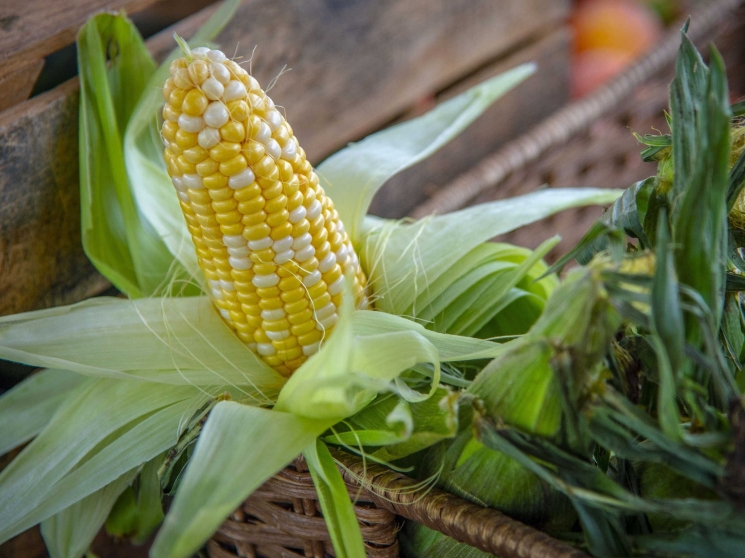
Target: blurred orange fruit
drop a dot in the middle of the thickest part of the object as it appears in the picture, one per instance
(592, 68)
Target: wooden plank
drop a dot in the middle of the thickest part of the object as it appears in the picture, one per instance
(531, 102)
(17, 80)
(357, 64)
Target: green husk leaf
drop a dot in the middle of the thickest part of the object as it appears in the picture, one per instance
(116, 238)
(104, 429)
(27, 408)
(353, 175)
(69, 533)
(338, 511)
(180, 341)
(249, 442)
(403, 259)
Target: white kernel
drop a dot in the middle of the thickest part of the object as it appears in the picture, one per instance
(228, 286)
(312, 278)
(208, 138)
(302, 241)
(234, 90)
(269, 102)
(340, 227)
(349, 269)
(264, 134)
(220, 73)
(225, 314)
(297, 214)
(327, 263)
(265, 281)
(274, 119)
(284, 257)
(216, 56)
(265, 349)
(273, 149)
(234, 241)
(314, 210)
(240, 263)
(289, 150)
(216, 114)
(252, 346)
(191, 124)
(310, 350)
(242, 179)
(178, 183)
(261, 244)
(217, 293)
(212, 89)
(193, 181)
(326, 311)
(282, 244)
(328, 322)
(215, 284)
(184, 197)
(341, 255)
(355, 260)
(271, 315)
(304, 254)
(278, 335)
(239, 252)
(200, 52)
(337, 286)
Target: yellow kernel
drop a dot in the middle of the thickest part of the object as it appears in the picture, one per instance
(274, 303)
(300, 317)
(265, 268)
(207, 167)
(285, 344)
(276, 204)
(237, 317)
(261, 337)
(181, 79)
(254, 152)
(261, 256)
(294, 201)
(274, 191)
(185, 166)
(235, 229)
(311, 337)
(321, 301)
(195, 154)
(319, 239)
(185, 139)
(229, 218)
(297, 306)
(203, 253)
(251, 206)
(289, 283)
(244, 276)
(194, 103)
(254, 125)
(283, 230)
(276, 325)
(224, 206)
(238, 109)
(281, 135)
(168, 88)
(268, 183)
(278, 218)
(285, 170)
(248, 193)
(198, 71)
(176, 98)
(221, 264)
(291, 187)
(295, 363)
(269, 292)
(299, 229)
(169, 130)
(294, 295)
(317, 290)
(215, 181)
(270, 177)
(224, 151)
(290, 354)
(234, 166)
(274, 361)
(199, 198)
(257, 103)
(256, 232)
(264, 167)
(252, 219)
(332, 275)
(233, 131)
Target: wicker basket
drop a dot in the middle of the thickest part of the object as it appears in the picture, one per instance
(588, 143)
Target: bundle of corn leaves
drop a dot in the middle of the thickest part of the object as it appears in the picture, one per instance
(239, 345)
(617, 420)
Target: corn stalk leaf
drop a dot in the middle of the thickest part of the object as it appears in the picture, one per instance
(353, 175)
(336, 504)
(69, 533)
(27, 408)
(250, 444)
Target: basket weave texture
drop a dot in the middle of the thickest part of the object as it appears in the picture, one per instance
(589, 143)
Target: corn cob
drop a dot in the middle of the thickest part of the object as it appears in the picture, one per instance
(268, 239)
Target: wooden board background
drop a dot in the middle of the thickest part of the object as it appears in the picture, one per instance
(356, 65)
